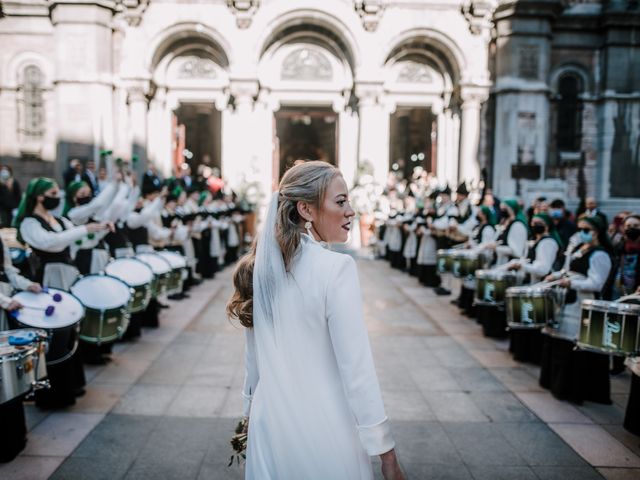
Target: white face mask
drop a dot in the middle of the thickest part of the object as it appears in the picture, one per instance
(5, 175)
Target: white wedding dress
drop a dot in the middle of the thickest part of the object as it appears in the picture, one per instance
(311, 388)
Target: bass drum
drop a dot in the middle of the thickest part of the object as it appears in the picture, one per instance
(106, 300)
(138, 275)
(22, 362)
(55, 311)
(178, 271)
(161, 271)
(529, 307)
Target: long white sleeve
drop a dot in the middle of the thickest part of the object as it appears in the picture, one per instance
(353, 355)
(117, 206)
(516, 244)
(488, 235)
(81, 214)
(252, 375)
(17, 281)
(36, 236)
(599, 268)
(546, 253)
(139, 219)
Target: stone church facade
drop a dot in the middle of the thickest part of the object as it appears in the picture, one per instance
(531, 96)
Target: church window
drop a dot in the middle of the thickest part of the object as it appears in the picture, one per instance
(32, 103)
(569, 113)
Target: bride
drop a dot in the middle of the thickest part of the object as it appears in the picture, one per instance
(311, 390)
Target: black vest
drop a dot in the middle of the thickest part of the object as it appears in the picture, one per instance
(478, 236)
(3, 275)
(50, 257)
(581, 265)
(137, 236)
(502, 238)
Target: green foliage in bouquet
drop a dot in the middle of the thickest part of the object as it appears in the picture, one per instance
(239, 442)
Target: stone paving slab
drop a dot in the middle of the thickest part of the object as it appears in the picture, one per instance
(460, 407)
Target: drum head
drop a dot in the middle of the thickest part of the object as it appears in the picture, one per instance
(131, 271)
(101, 292)
(157, 263)
(175, 259)
(66, 312)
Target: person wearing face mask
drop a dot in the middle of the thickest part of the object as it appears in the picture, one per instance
(626, 281)
(571, 374)
(513, 233)
(10, 193)
(50, 239)
(526, 344)
(565, 227)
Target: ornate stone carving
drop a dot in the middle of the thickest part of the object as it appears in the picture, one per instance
(478, 14)
(244, 10)
(196, 67)
(132, 10)
(529, 58)
(414, 72)
(370, 12)
(306, 64)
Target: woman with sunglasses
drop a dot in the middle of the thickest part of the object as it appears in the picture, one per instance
(571, 374)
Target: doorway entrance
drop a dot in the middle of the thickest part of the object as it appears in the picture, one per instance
(304, 134)
(412, 140)
(198, 135)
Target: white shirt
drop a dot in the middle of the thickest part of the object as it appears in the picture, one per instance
(35, 235)
(515, 245)
(546, 254)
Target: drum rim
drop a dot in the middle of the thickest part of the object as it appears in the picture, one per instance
(610, 306)
(103, 275)
(512, 292)
(24, 350)
(50, 327)
(146, 265)
(166, 262)
(168, 255)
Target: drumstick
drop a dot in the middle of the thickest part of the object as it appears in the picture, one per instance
(48, 310)
(56, 296)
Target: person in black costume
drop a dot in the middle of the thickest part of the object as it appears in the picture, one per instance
(50, 239)
(571, 374)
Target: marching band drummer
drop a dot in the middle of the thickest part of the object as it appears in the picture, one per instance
(526, 344)
(50, 239)
(579, 375)
(483, 234)
(512, 239)
(626, 281)
(14, 429)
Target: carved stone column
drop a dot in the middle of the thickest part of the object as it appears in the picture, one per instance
(138, 111)
(470, 134)
(373, 145)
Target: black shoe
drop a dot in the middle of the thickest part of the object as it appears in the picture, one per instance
(162, 305)
(79, 392)
(455, 302)
(442, 291)
(176, 296)
(617, 370)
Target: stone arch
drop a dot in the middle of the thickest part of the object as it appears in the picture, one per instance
(574, 69)
(17, 65)
(315, 24)
(189, 34)
(430, 43)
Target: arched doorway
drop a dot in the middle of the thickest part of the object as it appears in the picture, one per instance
(190, 83)
(307, 71)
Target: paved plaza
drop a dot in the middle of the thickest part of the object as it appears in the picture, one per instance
(460, 407)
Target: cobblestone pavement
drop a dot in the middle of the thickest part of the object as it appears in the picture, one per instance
(460, 407)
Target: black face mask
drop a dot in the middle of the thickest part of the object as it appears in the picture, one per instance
(537, 229)
(504, 213)
(632, 233)
(51, 203)
(83, 200)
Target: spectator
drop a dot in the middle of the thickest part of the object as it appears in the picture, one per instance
(564, 225)
(10, 193)
(590, 209)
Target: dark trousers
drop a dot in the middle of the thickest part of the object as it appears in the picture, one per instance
(632, 415)
(14, 429)
(526, 344)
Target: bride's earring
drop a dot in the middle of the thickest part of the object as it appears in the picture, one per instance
(307, 227)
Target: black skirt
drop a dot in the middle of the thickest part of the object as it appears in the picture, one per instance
(64, 378)
(14, 429)
(428, 276)
(465, 300)
(526, 344)
(493, 320)
(150, 316)
(632, 415)
(574, 375)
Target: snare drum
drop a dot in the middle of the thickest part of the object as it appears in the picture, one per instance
(22, 361)
(138, 275)
(609, 327)
(465, 263)
(161, 270)
(106, 300)
(55, 311)
(178, 271)
(491, 286)
(445, 260)
(529, 306)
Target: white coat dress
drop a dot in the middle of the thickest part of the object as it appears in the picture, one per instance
(311, 389)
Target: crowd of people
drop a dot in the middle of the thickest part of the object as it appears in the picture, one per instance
(53, 236)
(576, 256)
